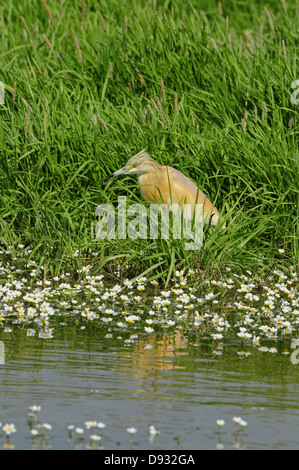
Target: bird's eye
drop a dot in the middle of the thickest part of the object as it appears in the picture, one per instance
(129, 167)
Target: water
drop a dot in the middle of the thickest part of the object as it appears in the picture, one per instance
(182, 390)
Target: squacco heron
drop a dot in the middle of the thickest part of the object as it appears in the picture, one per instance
(166, 185)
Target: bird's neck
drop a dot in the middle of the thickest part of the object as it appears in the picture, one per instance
(152, 176)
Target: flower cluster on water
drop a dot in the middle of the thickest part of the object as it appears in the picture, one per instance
(246, 309)
(240, 424)
(90, 434)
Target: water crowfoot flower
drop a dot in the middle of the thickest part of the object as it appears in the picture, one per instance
(217, 336)
(148, 329)
(90, 424)
(220, 423)
(94, 439)
(131, 431)
(35, 409)
(44, 428)
(239, 424)
(100, 426)
(153, 433)
(264, 308)
(34, 434)
(236, 420)
(71, 429)
(9, 429)
(243, 353)
(79, 432)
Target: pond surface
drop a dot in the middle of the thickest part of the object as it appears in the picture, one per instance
(187, 360)
(181, 389)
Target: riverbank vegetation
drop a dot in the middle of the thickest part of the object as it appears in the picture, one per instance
(205, 87)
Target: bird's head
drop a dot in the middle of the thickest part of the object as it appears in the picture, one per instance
(138, 165)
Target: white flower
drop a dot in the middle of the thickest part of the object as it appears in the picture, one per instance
(46, 426)
(131, 430)
(9, 428)
(95, 437)
(220, 422)
(217, 335)
(148, 329)
(243, 333)
(179, 273)
(79, 431)
(244, 353)
(237, 419)
(30, 332)
(263, 349)
(101, 425)
(256, 340)
(153, 431)
(35, 408)
(90, 424)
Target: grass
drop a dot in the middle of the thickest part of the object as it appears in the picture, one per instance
(206, 88)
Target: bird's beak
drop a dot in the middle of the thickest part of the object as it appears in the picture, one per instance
(122, 171)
